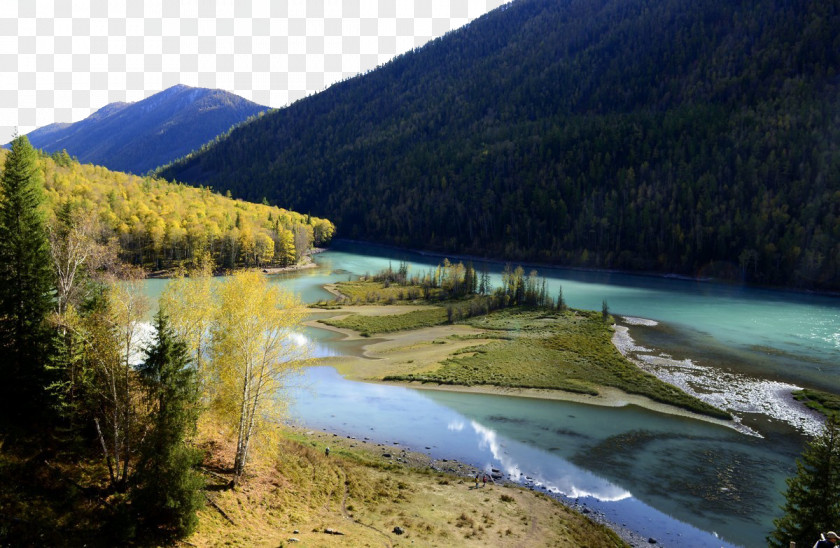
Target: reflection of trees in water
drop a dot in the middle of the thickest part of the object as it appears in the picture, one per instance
(707, 476)
(500, 420)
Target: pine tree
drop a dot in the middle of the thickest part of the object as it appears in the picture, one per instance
(26, 284)
(811, 504)
(168, 491)
(561, 302)
(69, 376)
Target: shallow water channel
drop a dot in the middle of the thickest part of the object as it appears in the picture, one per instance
(681, 481)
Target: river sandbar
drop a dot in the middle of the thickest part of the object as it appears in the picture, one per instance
(423, 350)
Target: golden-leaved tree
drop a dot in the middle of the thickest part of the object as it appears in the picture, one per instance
(253, 350)
(160, 224)
(113, 334)
(189, 301)
(242, 332)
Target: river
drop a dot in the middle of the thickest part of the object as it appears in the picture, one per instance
(681, 481)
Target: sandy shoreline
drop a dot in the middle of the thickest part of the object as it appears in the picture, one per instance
(420, 350)
(607, 397)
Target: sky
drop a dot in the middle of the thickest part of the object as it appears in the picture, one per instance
(61, 60)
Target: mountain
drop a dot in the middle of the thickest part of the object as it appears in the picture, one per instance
(138, 137)
(694, 137)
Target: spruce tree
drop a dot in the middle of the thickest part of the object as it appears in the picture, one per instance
(561, 302)
(168, 492)
(811, 503)
(26, 284)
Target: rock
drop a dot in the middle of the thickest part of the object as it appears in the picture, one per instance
(332, 532)
(386, 455)
(295, 532)
(293, 539)
(651, 540)
(585, 511)
(398, 530)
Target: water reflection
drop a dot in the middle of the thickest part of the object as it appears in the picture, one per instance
(472, 428)
(563, 477)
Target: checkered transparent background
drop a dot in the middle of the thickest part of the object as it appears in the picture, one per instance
(60, 60)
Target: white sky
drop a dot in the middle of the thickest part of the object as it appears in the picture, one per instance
(61, 60)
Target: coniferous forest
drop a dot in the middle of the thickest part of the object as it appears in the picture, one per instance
(698, 138)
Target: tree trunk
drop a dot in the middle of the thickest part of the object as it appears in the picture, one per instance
(105, 452)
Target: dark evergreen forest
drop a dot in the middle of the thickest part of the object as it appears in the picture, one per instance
(689, 136)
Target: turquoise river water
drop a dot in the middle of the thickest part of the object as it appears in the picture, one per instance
(681, 481)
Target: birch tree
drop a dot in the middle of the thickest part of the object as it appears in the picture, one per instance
(189, 302)
(114, 333)
(72, 245)
(253, 351)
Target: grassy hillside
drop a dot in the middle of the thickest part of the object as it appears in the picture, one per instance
(297, 492)
(698, 137)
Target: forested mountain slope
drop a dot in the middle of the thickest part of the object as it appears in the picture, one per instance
(158, 224)
(138, 137)
(690, 136)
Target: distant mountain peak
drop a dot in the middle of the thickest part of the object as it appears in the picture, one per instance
(139, 136)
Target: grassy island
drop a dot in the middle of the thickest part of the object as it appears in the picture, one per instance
(529, 347)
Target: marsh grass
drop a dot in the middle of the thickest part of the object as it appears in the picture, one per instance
(364, 291)
(569, 350)
(522, 347)
(824, 402)
(370, 325)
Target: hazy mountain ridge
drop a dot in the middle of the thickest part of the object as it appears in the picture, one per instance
(138, 137)
(691, 137)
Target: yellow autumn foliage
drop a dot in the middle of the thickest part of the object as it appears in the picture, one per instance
(160, 224)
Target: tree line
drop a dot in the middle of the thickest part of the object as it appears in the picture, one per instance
(86, 379)
(697, 138)
(158, 225)
(467, 291)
